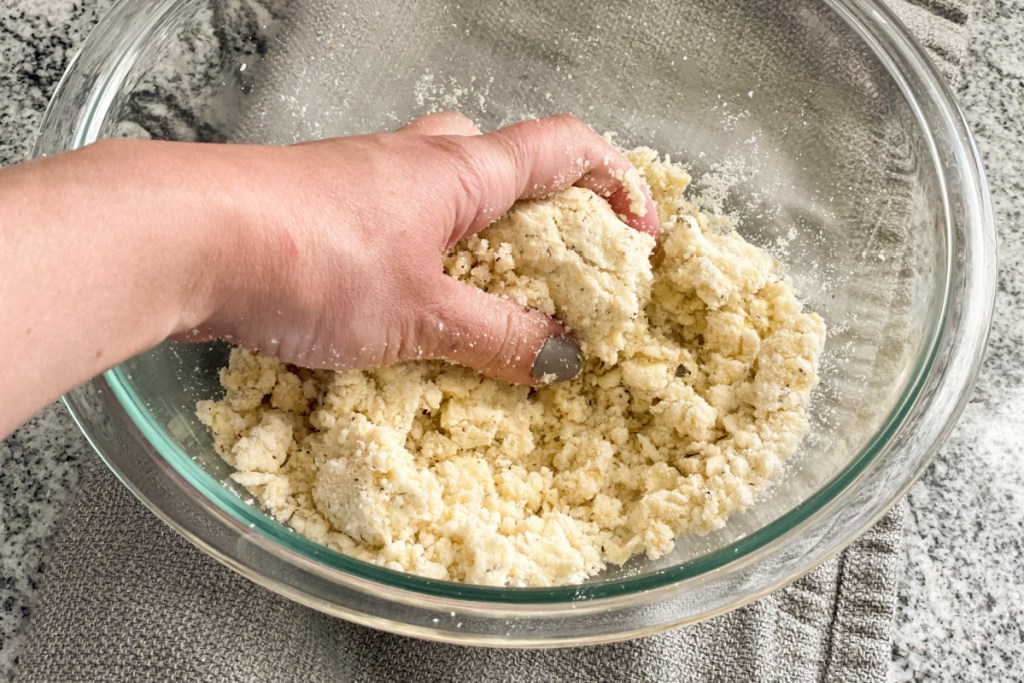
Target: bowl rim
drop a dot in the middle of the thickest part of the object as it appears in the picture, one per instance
(880, 29)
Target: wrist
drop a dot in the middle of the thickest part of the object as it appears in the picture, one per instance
(188, 229)
(247, 247)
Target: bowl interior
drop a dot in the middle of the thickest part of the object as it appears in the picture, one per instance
(783, 114)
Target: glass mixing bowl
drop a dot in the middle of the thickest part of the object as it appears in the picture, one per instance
(821, 126)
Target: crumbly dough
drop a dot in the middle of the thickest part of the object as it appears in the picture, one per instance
(699, 365)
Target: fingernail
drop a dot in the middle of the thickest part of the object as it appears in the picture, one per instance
(559, 360)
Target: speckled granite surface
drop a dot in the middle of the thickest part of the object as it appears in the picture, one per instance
(39, 464)
(961, 613)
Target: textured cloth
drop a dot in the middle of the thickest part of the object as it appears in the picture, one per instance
(127, 599)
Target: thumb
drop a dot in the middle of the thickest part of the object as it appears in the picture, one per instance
(500, 338)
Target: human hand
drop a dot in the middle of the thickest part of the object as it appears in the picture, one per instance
(337, 260)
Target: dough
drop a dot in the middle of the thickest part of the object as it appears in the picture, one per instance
(571, 257)
(699, 365)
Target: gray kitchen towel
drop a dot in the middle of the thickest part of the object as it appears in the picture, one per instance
(126, 599)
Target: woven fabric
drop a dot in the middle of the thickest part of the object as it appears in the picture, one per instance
(127, 599)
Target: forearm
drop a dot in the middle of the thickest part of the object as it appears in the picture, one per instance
(104, 252)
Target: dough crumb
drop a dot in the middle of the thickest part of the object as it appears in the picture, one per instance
(699, 365)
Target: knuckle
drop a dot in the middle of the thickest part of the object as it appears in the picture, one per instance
(573, 125)
(514, 149)
(431, 334)
(570, 120)
(454, 115)
(499, 344)
(409, 340)
(448, 146)
(465, 167)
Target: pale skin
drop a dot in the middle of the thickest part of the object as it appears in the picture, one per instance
(326, 254)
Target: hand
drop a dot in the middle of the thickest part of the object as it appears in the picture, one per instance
(339, 261)
(326, 254)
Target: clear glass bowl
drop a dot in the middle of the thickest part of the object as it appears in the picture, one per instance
(846, 155)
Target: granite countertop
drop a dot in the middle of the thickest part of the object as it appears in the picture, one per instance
(960, 613)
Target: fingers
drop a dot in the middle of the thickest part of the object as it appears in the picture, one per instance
(498, 337)
(538, 158)
(441, 123)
